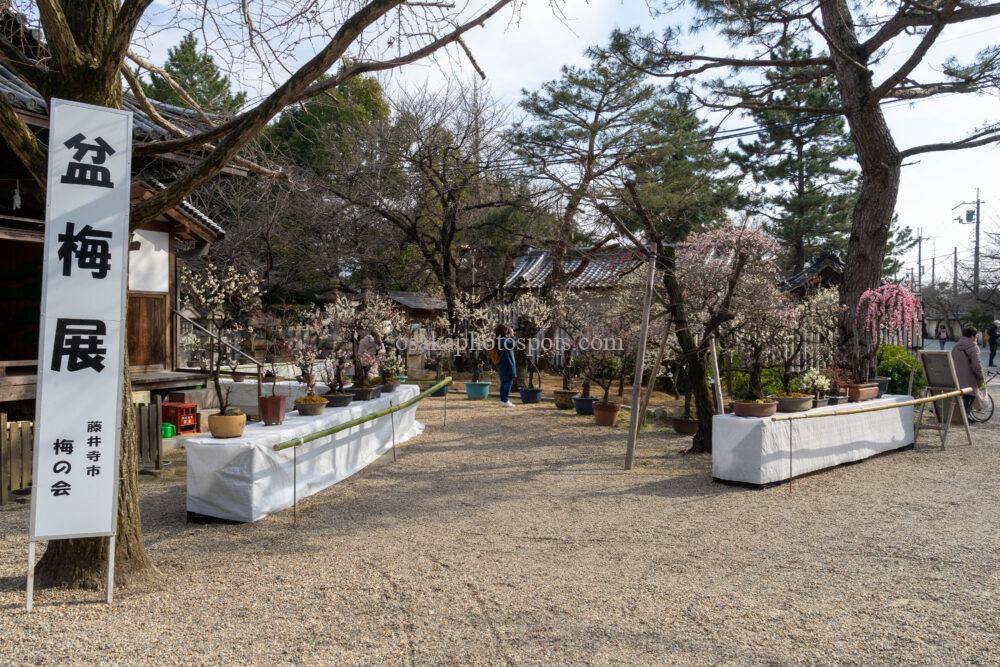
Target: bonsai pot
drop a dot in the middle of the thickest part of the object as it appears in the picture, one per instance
(477, 391)
(365, 393)
(584, 404)
(754, 409)
(443, 391)
(226, 426)
(820, 402)
(531, 395)
(606, 414)
(563, 398)
(684, 426)
(390, 386)
(883, 385)
(272, 409)
(310, 409)
(338, 400)
(862, 392)
(794, 403)
(835, 399)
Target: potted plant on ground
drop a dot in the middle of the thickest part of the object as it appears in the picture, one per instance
(568, 321)
(534, 315)
(225, 300)
(684, 423)
(603, 368)
(478, 322)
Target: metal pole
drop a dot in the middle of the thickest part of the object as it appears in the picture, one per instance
(111, 568)
(447, 391)
(31, 576)
(920, 260)
(640, 357)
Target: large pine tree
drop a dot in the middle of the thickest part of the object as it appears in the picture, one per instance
(199, 76)
(798, 161)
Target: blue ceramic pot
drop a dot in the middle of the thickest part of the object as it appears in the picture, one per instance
(584, 406)
(531, 395)
(477, 391)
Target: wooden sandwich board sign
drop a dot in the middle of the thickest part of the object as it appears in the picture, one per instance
(939, 371)
(78, 404)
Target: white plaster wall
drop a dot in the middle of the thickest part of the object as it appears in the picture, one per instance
(149, 266)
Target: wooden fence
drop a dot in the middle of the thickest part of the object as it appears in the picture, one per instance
(16, 455)
(17, 448)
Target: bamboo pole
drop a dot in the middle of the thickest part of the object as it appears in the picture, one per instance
(876, 408)
(361, 420)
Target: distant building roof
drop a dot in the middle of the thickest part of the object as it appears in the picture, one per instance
(824, 269)
(601, 268)
(418, 301)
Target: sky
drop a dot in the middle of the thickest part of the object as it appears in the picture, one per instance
(524, 51)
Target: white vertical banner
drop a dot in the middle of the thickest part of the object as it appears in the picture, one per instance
(78, 406)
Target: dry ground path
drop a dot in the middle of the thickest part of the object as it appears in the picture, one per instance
(513, 536)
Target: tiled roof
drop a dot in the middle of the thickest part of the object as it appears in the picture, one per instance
(194, 212)
(418, 301)
(821, 261)
(24, 97)
(603, 268)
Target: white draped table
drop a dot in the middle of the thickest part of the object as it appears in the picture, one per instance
(755, 451)
(244, 479)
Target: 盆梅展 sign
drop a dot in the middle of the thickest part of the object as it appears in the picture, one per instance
(78, 405)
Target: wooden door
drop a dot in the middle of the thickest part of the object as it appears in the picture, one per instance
(147, 330)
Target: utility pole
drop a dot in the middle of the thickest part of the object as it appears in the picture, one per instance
(911, 276)
(973, 217)
(920, 260)
(954, 280)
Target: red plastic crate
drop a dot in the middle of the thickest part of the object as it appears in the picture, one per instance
(184, 416)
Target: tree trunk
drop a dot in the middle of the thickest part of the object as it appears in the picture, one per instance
(83, 562)
(693, 356)
(880, 164)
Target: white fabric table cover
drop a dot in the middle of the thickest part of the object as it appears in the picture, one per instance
(755, 450)
(244, 479)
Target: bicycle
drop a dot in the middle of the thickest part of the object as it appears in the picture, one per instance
(985, 412)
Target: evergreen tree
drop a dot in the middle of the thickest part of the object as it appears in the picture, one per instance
(806, 192)
(323, 134)
(199, 76)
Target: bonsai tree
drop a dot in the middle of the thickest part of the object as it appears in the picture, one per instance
(814, 382)
(390, 367)
(364, 326)
(478, 322)
(534, 315)
(225, 299)
(305, 349)
(839, 378)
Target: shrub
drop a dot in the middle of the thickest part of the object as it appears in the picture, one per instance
(896, 362)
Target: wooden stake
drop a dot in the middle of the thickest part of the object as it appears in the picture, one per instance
(633, 420)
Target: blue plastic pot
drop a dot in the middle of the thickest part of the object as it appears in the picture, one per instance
(477, 391)
(531, 395)
(443, 391)
(584, 405)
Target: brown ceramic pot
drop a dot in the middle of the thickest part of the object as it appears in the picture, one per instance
(606, 414)
(226, 426)
(563, 398)
(754, 409)
(684, 426)
(272, 409)
(862, 392)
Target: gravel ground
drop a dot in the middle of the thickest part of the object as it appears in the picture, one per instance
(513, 536)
